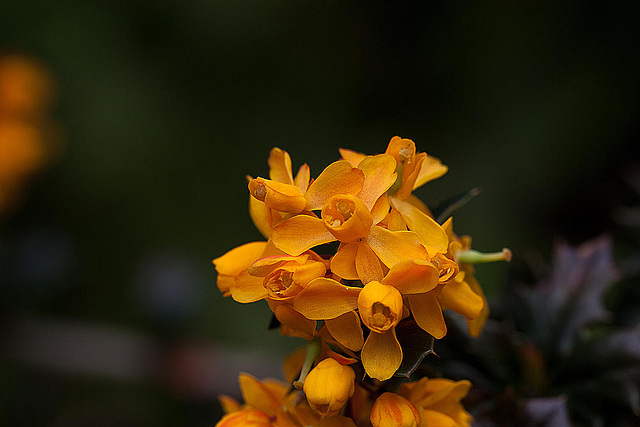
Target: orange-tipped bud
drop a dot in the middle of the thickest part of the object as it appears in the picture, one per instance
(245, 418)
(328, 386)
(393, 410)
(347, 218)
(278, 196)
(380, 306)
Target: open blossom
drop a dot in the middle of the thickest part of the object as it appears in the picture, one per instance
(438, 400)
(394, 270)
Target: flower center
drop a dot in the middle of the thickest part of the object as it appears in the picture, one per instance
(341, 212)
(279, 282)
(381, 316)
(260, 192)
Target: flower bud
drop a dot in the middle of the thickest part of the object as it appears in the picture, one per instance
(380, 306)
(347, 218)
(245, 418)
(393, 410)
(328, 386)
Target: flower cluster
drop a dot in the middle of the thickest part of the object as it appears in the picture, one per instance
(26, 94)
(392, 263)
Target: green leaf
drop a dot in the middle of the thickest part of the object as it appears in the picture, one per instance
(415, 343)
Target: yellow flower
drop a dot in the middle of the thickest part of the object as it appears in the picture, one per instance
(393, 410)
(439, 401)
(328, 386)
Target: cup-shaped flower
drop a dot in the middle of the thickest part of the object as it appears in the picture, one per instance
(347, 218)
(393, 410)
(245, 418)
(328, 386)
(380, 306)
(284, 276)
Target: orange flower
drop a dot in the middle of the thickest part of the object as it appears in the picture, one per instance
(439, 401)
(280, 172)
(380, 307)
(245, 418)
(414, 169)
(26, 134)
(348, 211)
(282, 195)
(393, 410)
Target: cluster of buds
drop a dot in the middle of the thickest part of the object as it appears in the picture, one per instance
(26, 95)
(393, 262)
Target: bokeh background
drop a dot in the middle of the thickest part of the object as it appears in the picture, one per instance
(110, 314)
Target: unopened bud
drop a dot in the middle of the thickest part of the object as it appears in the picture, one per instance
(393, 410)
(328, 386)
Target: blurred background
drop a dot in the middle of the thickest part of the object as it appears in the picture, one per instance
(152, 113)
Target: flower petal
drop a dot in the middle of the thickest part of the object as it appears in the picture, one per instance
(381, 355)
(431, 233)
(459, 297)
(346, 330)
(437, 419)
(394, 246)
(343, 262)
(338, 178)
(414, 276)
(326, 299)
(431, 169)
(295, 321)
(258, 396)
(260, 215)
(265, 265)
(368, 265)
(428, 314)
(280, 166)
(247, 288)
(302, 178)
(409, 178)
(379, 176)
(299, 233)
(476, 325)
(381, 209)
(351, 156)
(239, 258)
